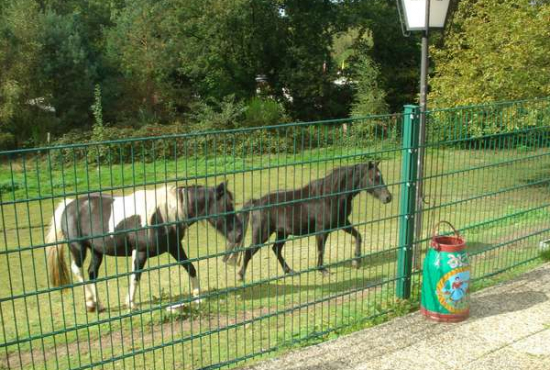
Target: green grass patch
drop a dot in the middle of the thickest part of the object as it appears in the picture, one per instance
(270, 311)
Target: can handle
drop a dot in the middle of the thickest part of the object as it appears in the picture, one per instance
(436, 228)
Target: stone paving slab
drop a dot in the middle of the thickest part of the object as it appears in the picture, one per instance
(508, 328)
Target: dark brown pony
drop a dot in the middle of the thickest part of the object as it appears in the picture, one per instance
(318, 208)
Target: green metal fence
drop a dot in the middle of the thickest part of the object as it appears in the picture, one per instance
(487, 170)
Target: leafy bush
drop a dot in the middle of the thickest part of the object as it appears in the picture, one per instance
(217, 115)
(521, 123)
(7, 141)
(264, 112)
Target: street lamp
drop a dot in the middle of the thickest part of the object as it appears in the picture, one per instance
(416, 12)
(422, 15)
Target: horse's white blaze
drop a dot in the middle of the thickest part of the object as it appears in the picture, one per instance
(77, 271)
(133, 283)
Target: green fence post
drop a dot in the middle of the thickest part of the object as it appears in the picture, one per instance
(409, 167)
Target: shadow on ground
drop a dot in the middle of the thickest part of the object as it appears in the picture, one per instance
(275, 290)
(496, 304)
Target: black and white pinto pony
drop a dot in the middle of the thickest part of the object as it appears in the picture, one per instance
(318, 208)
(142, 225)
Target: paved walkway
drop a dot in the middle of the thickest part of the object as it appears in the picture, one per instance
(509, 328)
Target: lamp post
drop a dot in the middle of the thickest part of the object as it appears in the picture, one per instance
(422, 15)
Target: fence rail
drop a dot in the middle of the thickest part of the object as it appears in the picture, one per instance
(487, 170)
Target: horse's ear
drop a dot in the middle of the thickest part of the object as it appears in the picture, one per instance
(221, 189)
(373, 164)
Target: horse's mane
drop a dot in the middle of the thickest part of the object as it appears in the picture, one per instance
(165, 201)
(338, 180)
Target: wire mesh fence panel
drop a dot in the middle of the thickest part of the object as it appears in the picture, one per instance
(204, 250)
(141, 229)
(487, 172)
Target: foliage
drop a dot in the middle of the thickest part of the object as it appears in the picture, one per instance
(397, 57)
(98, 132)
(7, 141)
(217, 115)
(370, 97)
(508, 120)
(160, 62)
(19, 60)
(142, 48)
(264, 112)
(493, 50)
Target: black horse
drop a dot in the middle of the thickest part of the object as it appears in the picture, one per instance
(318, 208)
(144, 224)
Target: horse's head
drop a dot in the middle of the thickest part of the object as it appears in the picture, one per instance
(373, 181)
(227, 223)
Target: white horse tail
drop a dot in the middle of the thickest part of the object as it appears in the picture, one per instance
(57, 266)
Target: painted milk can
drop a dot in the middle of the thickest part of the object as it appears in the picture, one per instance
(445, 292)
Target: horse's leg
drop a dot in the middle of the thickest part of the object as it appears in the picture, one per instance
(278, 250)
(78, 255)
(138, 261)
(358, 240)
(93, 270)
(259, 237)
(321, 240)
(179, 254)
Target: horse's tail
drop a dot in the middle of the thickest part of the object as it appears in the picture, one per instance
(234, 259)
(57, 266)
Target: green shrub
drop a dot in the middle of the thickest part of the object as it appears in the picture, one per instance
(217, 115)
(7, 141)
(264, 112)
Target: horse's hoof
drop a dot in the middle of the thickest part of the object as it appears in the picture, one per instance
(240, 277)
(95, 308)
(176, 308)
(290, 272)
(325, 272)
(356, 264)
(231, 262)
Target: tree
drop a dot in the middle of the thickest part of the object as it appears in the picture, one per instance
(397, 57)
(47, 71)
(19, 59)
(142, 52)
(493, 50)
(67, 67)
(308, 69)
(370, 98)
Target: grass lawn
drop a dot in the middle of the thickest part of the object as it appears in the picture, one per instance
(501, 206)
